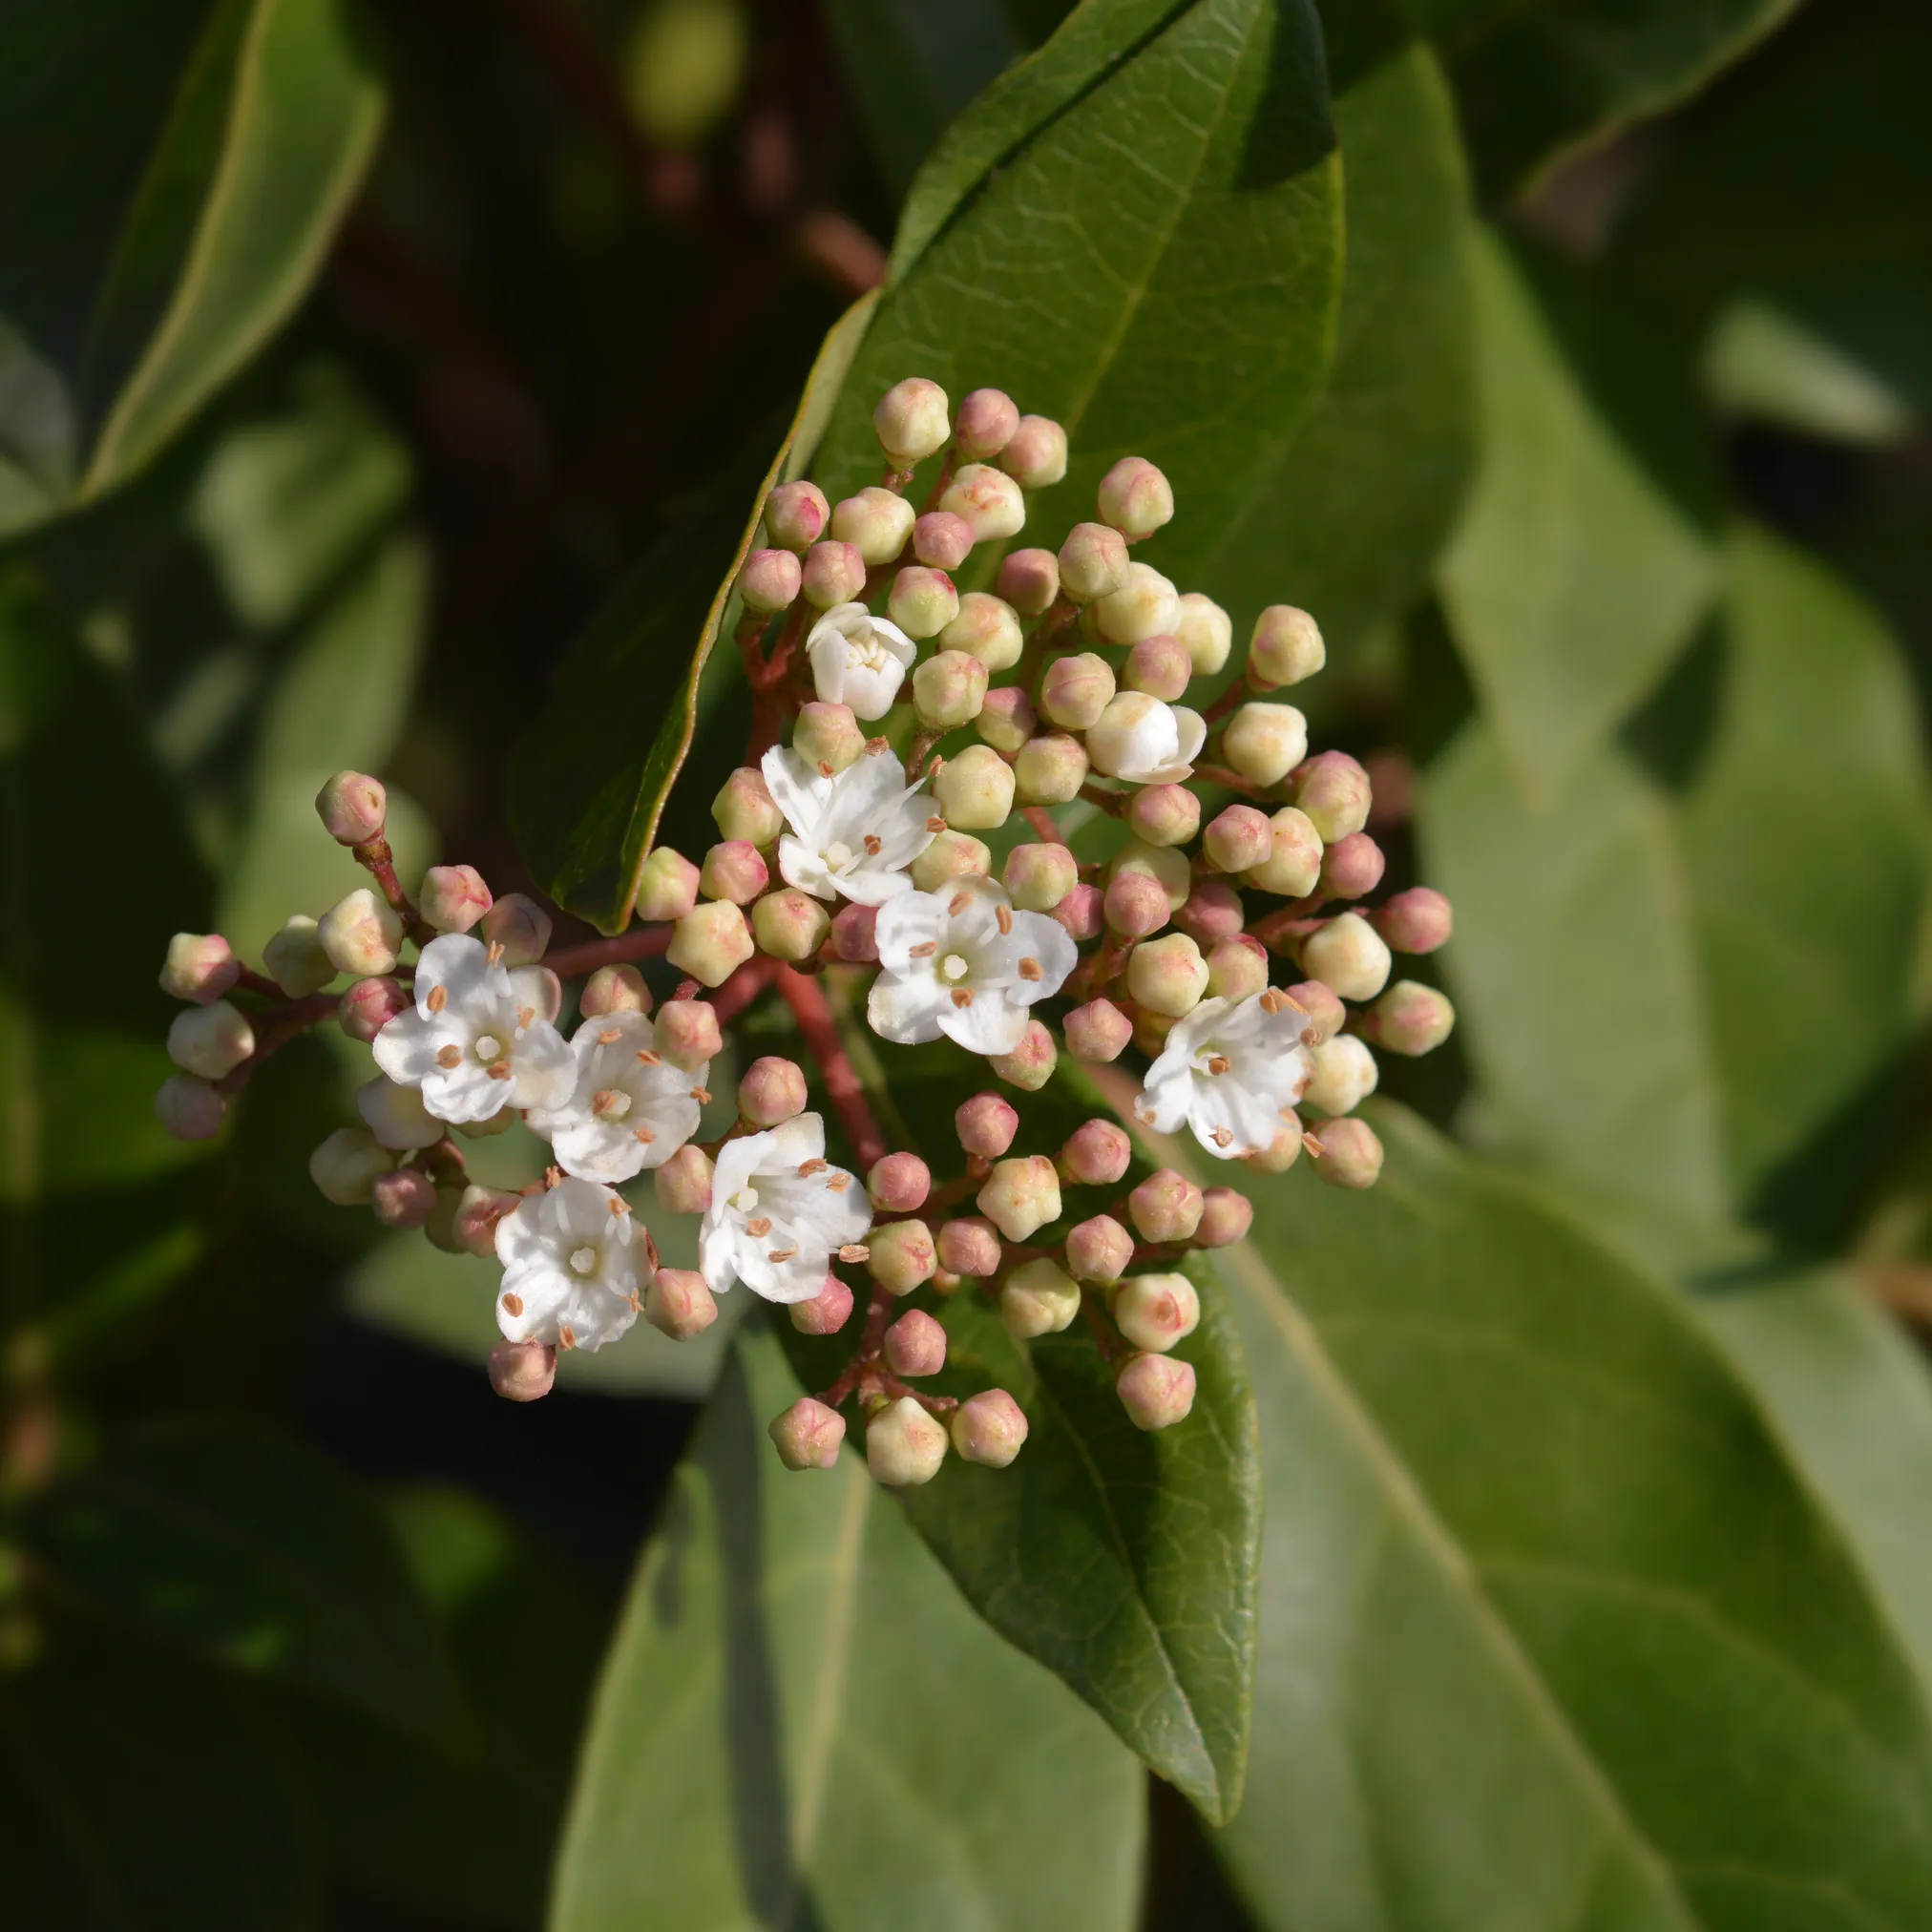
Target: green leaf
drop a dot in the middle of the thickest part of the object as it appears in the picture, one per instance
(799, 1723)
(1581, 568)
(588, 786)
(1138, 232)
(254, 1552)
(1554, 1632)
(199, 155)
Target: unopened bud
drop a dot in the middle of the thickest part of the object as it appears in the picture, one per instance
(546, 988)
(773, 1091)
(1211, 911)
(875, 522)
(1096, 1154)
(521, 926)
(986, 628)
(796, 516)
(1098, 1250)
(854, 934)
(1075, 691)
(789, 925)
(1093, 562)
(1020, 1196)
(989, 1428)
(200, 967)
(1168, 975)
(1348, 956)
(988, 499)
(1237, 839)
(1050, 769)
(922, 602)
(952, 855)
(1344, 1075)
(369, 1005)
(678, 1303)
(1237, 968)
(668, 888)
(1159, 667)
(1334, 790)
(1145, 605)
(1227, 1214)
(1285, 648)
(294, 957)
(904, 1446)
(827, 737)
(396, 1116)
(1030, 1065)
(1164, 814)
(1281, 1153)
(1035, 455)
(916, 1345)
(770, 580)
(522, 1372)
(898, 1183)
(684, 1183)
(361, 933)
(1165, 1207)
(1039, 876)
(902, 1256)
(1082, 912)
(985, 424)
(1006, 718)
(1151, 1030)
(970, 1246)
(1029, 580)
(1156, 1310)
(1415, 921)
(351, 807)
(1166, 868)
(1265, 741)
(613, 989)
(744, 808)
(1325, 1013)
(1038, 1298)
(733, 871)
(1351, 867)
(825, 1313)
(942, 539)
(454, 897)
(346, 1165)
(478, 1210)
(188, 1109)
(1156, 1390)
(210, 1040)
(1136, 906)
(405, 1197)
(975, 791)
(986, 1125)
(947, 690)
(1294, 863)
(1411, 1018)
(1206, 630)
(1349, 1155)
(1098, 1031)
(1136, 498)
(808, 1435)
(711, 942)
(834, 574)
(912, 421)
(688, 1035)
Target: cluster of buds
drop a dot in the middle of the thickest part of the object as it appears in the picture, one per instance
(902, 731)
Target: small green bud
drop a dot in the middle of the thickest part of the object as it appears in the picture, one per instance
(1344, 1076)
(1348, 955)
(1005, 720)
(789, 925)
(1051, 769)
(770, 580)
(952, 855)
(1076, 690)
(1156, 1310)
(1285, 648)
(904, 1446)
(975, 791)
(1135, 499)
(834, 574)
(1164, 814)
(668, 888)
(1093, 562)
(827, 737)
(1156, 1390)
(949, 689)
(922, 602)
(877, 523)
(1039, 876)
(1411, 1018)
(710, 942)
(1293, 863)
(294, 958)
(1265, 741)
(1206, 630)
(743, 809)
(986, 627)
(1349, 1155)
(912, 421)
(1145, 605)
(1168, 975)
(796, 516)
(1020, 1196)
(1040, 1298)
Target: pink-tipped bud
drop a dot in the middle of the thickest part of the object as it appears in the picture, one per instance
(975, 791)
(1238, 838)
(744, 808)
(970, 1246)
(773, 1091)
(1334, 790)
(521, 926)
(188, 1109)
(834, 574)
(827, 737)
(1411, 1018)
(1293, 863)
(1415, 921)
(613, 989)
(478, 1210)
(1136, 905)
(854, 934)
(947, 690)
(988, 499)
(1038, 1298)
(1093, 562)
(1161, 666)
(1351, 865)
(1343, 1074)
(1227, 1214)
(733, 871)
(454, 897)
(986, 1125)
(1039, 876)
(1100, 1249)
(294, 957)
(1348, 956)
(1050, 769)
(985, 424)
(770, 580)
(522, 1372)
(986, 628)
(1082, 912)
(684, 1183)
(916, 1345)
(989, 1428)
(1030, 1065)
(902, 1256)
(796, 516)
(952, 855)
(1165, 1207)
(1145, 605)
(1164, 814)
(808, 1435)
(210, 1040)
(688, 1035)
(1135, 499)
(942, 539)
(361, 933)
(825, 1313)
(678, 1303)
(1285, 648)
(922, 602)
(1096, 1154)
(405, 1197)
(1098, 1031)
(1166, 868)
(1076, 690)
(667, 887)
(1206, 630)
(1020, 1196)
(1347, 1153)
(1265, 741)
(1156, 1390)
(904, 1446)
(1325, 1012)
(1281, 1153)
(877, 523)
(1156, 1310)
(1035, 455)
(352, 807)
(200, 967)
(1237, 968)
(1029, 580)
(1005, 719)
(913, 421)
(1212, 912)
(898, 1183)
(710, 942)
(789, 925)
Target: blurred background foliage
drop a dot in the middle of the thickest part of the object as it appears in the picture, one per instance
(1570, 360)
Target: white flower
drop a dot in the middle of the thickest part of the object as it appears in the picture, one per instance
(1232, 1070)
(962, 962)
(858, 660)
(478, 1041)
(570, 1268)
(1145, 741)
(631, 1109)
(854, 832)
(779, 1212)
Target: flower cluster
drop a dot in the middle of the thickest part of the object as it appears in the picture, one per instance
(1007, 720)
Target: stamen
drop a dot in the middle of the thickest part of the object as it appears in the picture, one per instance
(502, 1071)
(648, 1058)
(643, 1136)
(619, 1206)
(807, 1168)
(1223, 1138)
(439, 997)
(839, 1183)
(758, 1228)
(781, 1255)
(962, 996)
(855, 1250)
(493, 954)
(1004, 918)
(700, 1095)
(959, 903)
(610, 1036)
(1273, 1000)
(1029, 968)
(1218, 1062)
(935, 824)
(525, 1015)
(513, 1303)
(1312, 1145)
(873, 846)
(825, 769)
(566, 1338)
(451, 1055)
(924, 951)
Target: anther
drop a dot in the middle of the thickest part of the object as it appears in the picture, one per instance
(855, 1250)
(439, 997)
(1218, 1062)
(1223, 1138)
(839, 1183)
(513, 1304)
(648, 1058)
(758, 1228)
(813, 1167)
(781, 1255)
(493, 954)
(610, 1036)
(1312, 1145)
(959, 903)
(873, 846)
(643, 1136)
(935, 824)
(566, 1336)
(1004, 918)
(1029, 968)
(525, 1015)
(962, 996)
(500, 1071)
(923, 951)
(451, 1055)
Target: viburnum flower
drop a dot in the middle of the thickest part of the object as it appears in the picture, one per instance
(1144, 740)
(858, 660)
(570, 1267)
(477, 1040)
(631, 1108)
(853, 832)
(963, 963)
(1232, 1069)
(779, 1213)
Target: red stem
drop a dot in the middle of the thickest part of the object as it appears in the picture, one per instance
(297, 1017)
(742, 988)
(1041, 821)
(814, 1014)
(645, 942)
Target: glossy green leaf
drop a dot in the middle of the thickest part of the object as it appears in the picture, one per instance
(588, 785)
(1555, 1634)
(255, 1552)
(1579, 571)
(799, 1723)
(195, 157)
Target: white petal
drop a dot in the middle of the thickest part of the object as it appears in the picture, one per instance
(1193, 729)
(406, 1047)
(800, 865)
(872, 881)
(464, 1092)
(543, 1068)
(1224, 1104)
(992, 1023)
(461, 967)
(1049, 943)
(1166, 1098)
(906, 1008)
(797, 790)
(717, 1256)
(911, 919)
(829, 654)
(870, 690)
(800, 1138)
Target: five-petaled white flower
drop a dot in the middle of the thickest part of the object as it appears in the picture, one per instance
(570, 1267)
(779, 1214)
(631, 1109)
(1145, 741)
(858, 660)
(478, 1040)
(962, 962)
(852, 831)
(1232, 1070)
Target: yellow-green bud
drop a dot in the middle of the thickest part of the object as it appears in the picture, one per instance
(1265, 741)
(1293, 863)
(989, 628)
(1093, 562)
(1076, 690)
(989, 1428)
(668, 888)
(1206, 630)
(901, 1255)
(947, 690)
(1165, 1207)
(1169, 869)
(613, 989)
(1145, 605)
(1156, 1390)
(684, 1183)
(201, 967)
(1344, 1075)
(1030, 1065)
(1411, 1018)
(796, 516)
(875, 522)
(913, 421)
(1349, 1155)
(1039, 876)
(975, 791)
(789, 925)
(770, 580)
(361, 933)
(808, 1435)
(347, 1167)
(1135, 499)
(1168, 975)
(1156, 1310)
(1006, 721)
(952, 855)
(904, 1446)
(827, 737)
(1035, 455)
(1237, 968)
(922, 601)
(294, 958)
(1334, 790)
(1020, 1196)
(1050, 770)
(1040, 1298)
(744, 808)
(834, 574)
(210, 1040)
(1285, 648)
(1348, 956)
(1164, 814)
(711, 942)
(989, 499)
(1282, 1153)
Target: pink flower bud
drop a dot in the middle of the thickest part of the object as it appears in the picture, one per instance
(1168, 975)
(1029, 580)
(200, 967)
(1206, 630)
(1166, 868)
(1164, 814)
(1156, 1390)
(1160, 668)
(1035, 455)
(986, 1125)
(1100, 1249)
(922, 602)
(346, 1165)
(902, 1257)
(942, 539)
(613, 989)
(687, 1034)
(1293, 863)
(1050, 769)
(1098, 1031)
(210, 1040)
(733, 871)
(1096, 1154)
(1325, 1012)
(970, 1246)
(796, 516)
(989, 1428)
(1005, 719)
(947, 690)
(684, 1183)
(1285, 648)
(770, 580)
(521, 926)
(985, 424)
(834, 574)
(710, 942)
(986, 628)
(1227, 1214)
(1082, 912)
(522, 1372)
(877, 523)
(1135, 499)
(1076, 690)
(678, 1303)
(1093, 562)
(904, 1446)
(773, 1091)
(189, 1109)
(1349, 1155)
(1281, 1153)
(1410, 1018)
(1136, 905)
(916, 1345)
(808, 1435)
(1039, 876)
(1237, 968)
(952, 855)
(827, 737)
(1038, 1298)
(1237, 838)
(478, 1210)
(743, 809)
(453, 898)
(912, 421)
(988, 499)
(1020, 1196)
(825, 1313)
(1348, 956)
(789, 925)
(1334, 790)
(898, 1183)
(1265, 741)
(1165, 1207)
(1145, 605)
(1030, 1065)
(405, 1197)
(1156, 1310)
(352, 807)
(1212, 912)
(1415, 921)
(855, 937)
(668, 888)
(1351, 867)
(361, 933)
